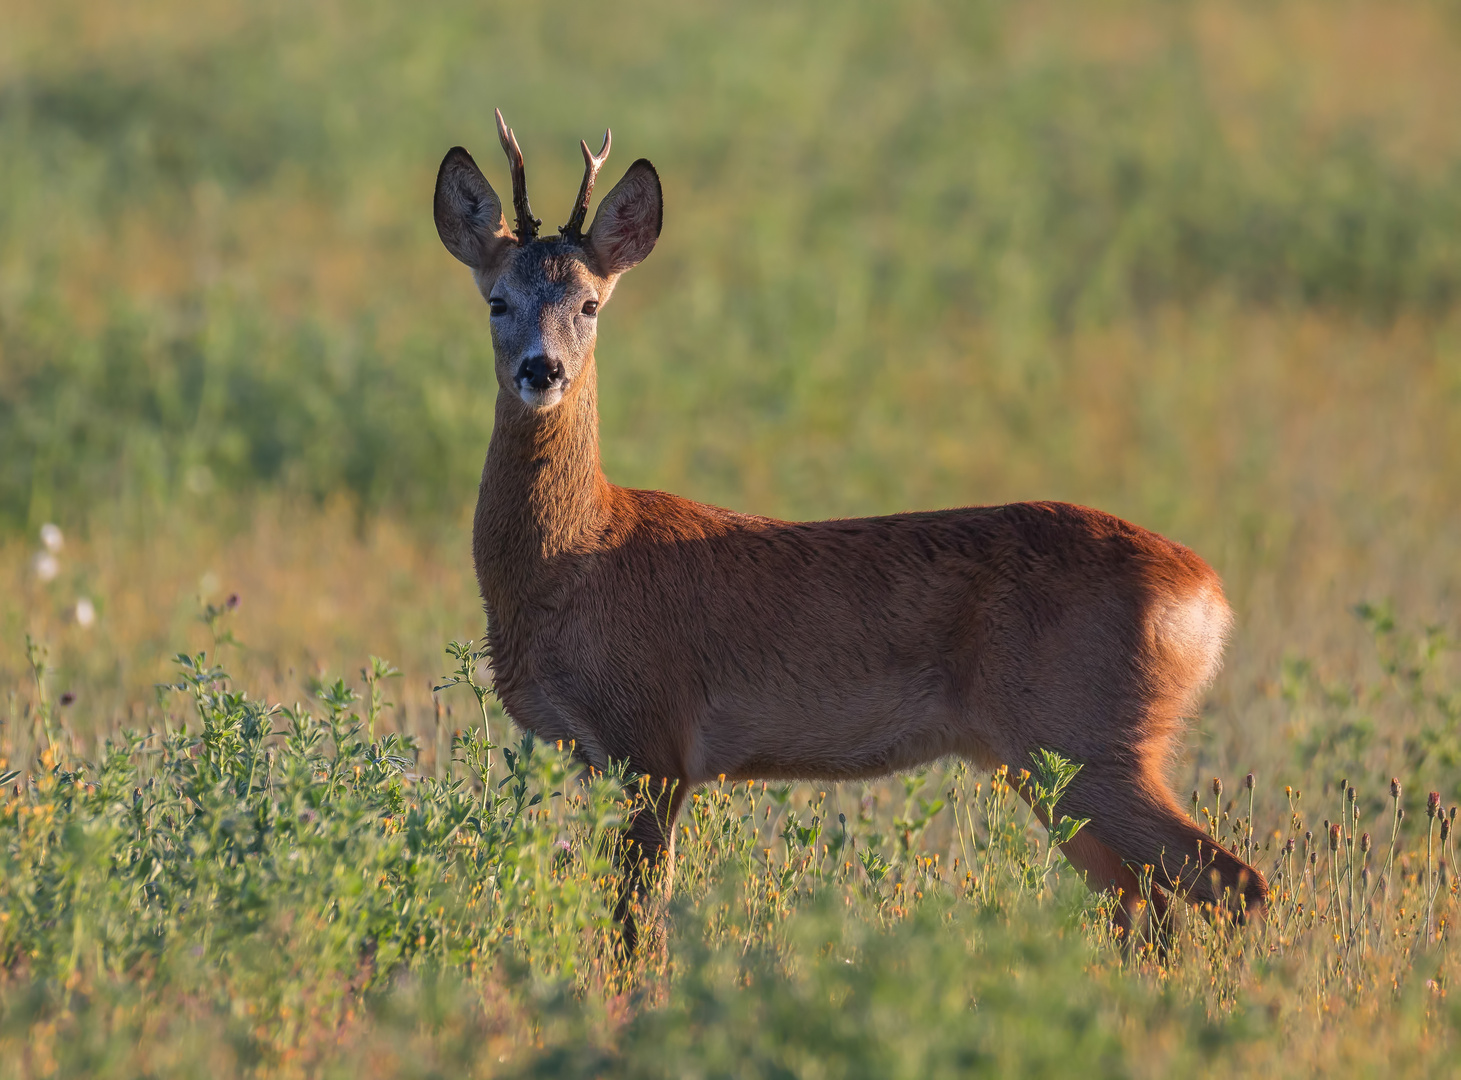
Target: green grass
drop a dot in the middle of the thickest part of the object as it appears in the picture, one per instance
(1196, 264)
(254, 890)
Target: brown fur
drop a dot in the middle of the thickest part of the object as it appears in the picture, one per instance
(692, 642)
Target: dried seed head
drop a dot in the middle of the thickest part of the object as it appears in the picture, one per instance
(1365, 842)
(1394, 788)
(1433, 804)
(1343, 786)
(1288, 846)
(1308, 839)
(1451, 813)
(1334, 832)
(1217, 788)
(1353, 795)
(1248, 782)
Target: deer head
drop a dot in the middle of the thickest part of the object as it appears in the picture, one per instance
(545, 293)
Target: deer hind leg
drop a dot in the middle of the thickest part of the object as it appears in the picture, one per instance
(647, 841)
(1139, 914)
(1136, 817)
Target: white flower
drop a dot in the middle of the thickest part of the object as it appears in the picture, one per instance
(52, 538)
(85, 612)
(46, 566)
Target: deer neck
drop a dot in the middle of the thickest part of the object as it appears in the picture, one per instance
(543, 494)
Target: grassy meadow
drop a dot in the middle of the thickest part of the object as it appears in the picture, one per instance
(1197, 264)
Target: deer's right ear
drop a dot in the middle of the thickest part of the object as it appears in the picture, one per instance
(468, 212)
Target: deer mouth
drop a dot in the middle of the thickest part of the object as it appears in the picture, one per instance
(541, 382)
(541, 399)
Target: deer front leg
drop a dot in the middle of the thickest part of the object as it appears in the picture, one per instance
(1137, 916)
(648, 839)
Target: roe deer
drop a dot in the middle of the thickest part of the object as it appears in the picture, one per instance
(692, 641)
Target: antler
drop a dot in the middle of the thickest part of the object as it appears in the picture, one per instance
(527, 225)
(591, 166)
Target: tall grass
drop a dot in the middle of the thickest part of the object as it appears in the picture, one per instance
(257, 890)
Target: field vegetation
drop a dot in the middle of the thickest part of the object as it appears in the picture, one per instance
(1198, 264)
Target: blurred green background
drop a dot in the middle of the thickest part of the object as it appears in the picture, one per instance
(1198, 264)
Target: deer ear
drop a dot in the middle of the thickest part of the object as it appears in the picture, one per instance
(628, 220)
(468, 212)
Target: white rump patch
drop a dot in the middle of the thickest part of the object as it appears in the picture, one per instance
(1196, 628)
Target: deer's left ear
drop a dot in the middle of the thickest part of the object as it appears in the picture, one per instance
(468, 213)
(628, 221)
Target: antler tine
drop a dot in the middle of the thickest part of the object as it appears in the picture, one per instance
(592, 163)
(527, 225)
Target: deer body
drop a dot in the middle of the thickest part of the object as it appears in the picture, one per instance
(694, 642)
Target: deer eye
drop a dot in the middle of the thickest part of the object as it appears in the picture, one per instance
(591, 307)
(497, 305)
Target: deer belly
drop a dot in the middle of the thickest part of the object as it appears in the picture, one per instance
(861, 732)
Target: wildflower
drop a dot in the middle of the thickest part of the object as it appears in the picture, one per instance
(1217, 788)
(1365, 842)
(232, 602)
(1248, 782)
(1334, 832)
(1394, 788)
(51, 537)
(1433, 804)
(46, 566)
(85, 612)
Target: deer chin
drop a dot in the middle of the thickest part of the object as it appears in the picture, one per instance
(541, 399)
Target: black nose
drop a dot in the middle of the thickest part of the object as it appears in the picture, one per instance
(540, 372)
